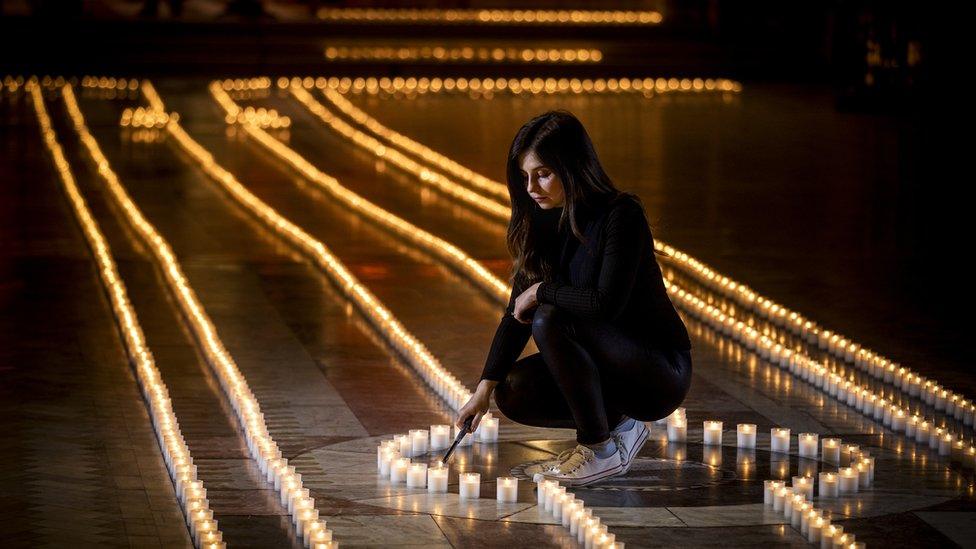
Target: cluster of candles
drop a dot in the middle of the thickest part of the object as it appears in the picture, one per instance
(141, 117)
(796, 504)
(487, 87)
(192, 494)
(264, 450)
(573, 515)
(464, 54)
(490, 16)
(260, 117)
(445, 384)
(868, 403)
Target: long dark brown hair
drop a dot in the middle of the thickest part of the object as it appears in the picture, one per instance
(561, 143)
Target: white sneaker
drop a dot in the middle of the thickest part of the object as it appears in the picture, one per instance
(630, 442)
(581, 467)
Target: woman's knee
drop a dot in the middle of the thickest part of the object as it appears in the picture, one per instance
(547, 321)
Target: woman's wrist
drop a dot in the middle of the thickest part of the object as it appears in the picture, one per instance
(486, 386)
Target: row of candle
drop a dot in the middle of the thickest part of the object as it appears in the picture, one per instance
(445, 384)
(399, 469)
(573, 515)
(909, 386)
(490, 16)
(264, 450)
(487, 87)
(795, 504)
(809, 370)
(463, 54)
(192, 495)
(877, 366)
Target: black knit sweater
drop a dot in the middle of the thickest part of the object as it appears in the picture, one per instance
(616, 279)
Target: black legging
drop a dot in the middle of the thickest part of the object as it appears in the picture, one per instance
(588, 375)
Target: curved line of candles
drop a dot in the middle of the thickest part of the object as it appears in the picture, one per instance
(442, 53)
(190, 491)
(777, 314)
(491, 16)
(264, 450)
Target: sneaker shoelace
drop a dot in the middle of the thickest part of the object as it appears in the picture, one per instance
(575, 460)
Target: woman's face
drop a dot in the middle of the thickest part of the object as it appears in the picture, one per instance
(541, 182)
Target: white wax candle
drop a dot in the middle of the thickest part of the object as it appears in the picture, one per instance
(789, 503)
(779, 439)
(830, 450)
(843, 540)
(769, 491)
(437, 477)
(848, 480)
(677, 430)
(389, 454)
(506, 490)
(807, 444)
(440, 437)
(592, 534)
(417, 475)
(803, 485)
(863, 475)
(828, 534)
(404, 444)
(829, 486)
(712, 433)
(796, 517)
(554, 490)
(585, 525)
(815, 529)
(604, 540)
(488, 430)
(922, 432)
(851, 452)
(418, 442)
(746, 435)
(911, 426)
(579, 517)
(569, 507)
(202, 527)
(945, 444)
(541, 485)
(398, 472)
(898, 420)
(469, 485)
(934, 436)
(780, 498)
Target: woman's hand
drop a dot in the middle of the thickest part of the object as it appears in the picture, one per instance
(477, 405)
(526, 302)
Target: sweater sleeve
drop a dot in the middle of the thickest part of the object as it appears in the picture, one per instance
(626, 235)
(510, 339)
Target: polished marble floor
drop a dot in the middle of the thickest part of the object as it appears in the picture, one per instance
(80, 462)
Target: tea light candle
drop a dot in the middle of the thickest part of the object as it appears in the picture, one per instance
(440, 437)
(398, 472)
(592, 534)
(803, 485)
(848, 481)
(712, 433)
(779, 439)
(437, 478)
(604, 539)
(418, 442)
(789, 503)
(569, 507)
(404, 444)
(796, 517)
(584, 527)
(417, 475)
(507, 490)
(828, 535)
(843, 540)
(579, 517)
(816, 528)
(829, 485)
(934, 436)
(745, 435)
(807, 444)
(851, 452)
(541, 486)
(830, 450)
(677, 429)
(469, 485)
(769, 490)
(898, 420)
(551, 494)
(780, 497)
(863, 475)
(202, 527)
(488, 429)
(911, 426)
(945, 444)
(922, 432)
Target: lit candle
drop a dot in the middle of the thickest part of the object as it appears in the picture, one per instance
(584, 527)
(551, 494)
(911, 426)
(541, 485)
(807, 443)
(677, 429)
(579, 517)
(469, 485)
(803, 485)
(828, 534)
(922, 432)
(898, 420)
(810, 515)
(398, 472)
(507, 489)
(780, 498)
(603, 539)
(404, 444)
(829, 486)
(558, 501)
(418, 442)
(488, 429)
(437, 478)
(440, 437)
(848, 481)
(712, 433)
(863, 474)
(796, 518)
(769, 490)
(945, 444)
(593, 534)
(851, 452)
(389, 454)
(789, 503)
(417, 475)
(830, 450)
(815, 529)
(934, 436)
(746, 435)
(842, 540)
(779, 439)
(571, 506)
